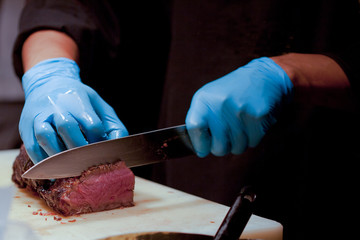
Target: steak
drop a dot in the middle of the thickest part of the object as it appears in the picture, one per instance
(99, 188)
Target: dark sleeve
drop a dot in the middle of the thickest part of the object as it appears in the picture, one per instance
(349, 61)
(347, 50)
(90, 23)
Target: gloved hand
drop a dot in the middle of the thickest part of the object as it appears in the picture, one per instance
(235, 111)
(61, 112)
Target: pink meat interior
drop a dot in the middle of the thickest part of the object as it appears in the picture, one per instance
(103, 188)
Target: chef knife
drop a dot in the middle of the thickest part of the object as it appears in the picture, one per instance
(135, 150)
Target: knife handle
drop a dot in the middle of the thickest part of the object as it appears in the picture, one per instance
(237, 216)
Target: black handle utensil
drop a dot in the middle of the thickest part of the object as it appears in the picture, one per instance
(237, 216)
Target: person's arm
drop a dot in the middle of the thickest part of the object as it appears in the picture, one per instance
(318, 80)
(47, 44)
(235, 111)
(60, 112)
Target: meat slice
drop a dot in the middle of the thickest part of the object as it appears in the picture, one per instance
(99, 188)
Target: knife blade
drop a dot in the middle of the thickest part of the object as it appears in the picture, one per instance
(135, 150)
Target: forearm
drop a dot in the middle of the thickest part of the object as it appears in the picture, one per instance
(318, 80)
(47, 44)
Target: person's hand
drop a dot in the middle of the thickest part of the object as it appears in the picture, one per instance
(234, 112)
(61, 112)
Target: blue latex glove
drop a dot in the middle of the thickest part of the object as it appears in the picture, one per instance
(235, 111)
(61, 112)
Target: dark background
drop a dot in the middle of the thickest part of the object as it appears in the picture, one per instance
(304, 170)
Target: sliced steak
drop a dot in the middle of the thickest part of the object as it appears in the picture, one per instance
(99, 188)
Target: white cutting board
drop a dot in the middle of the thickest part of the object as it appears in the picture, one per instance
(157, 208)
